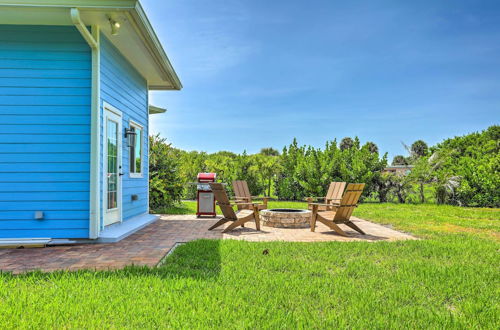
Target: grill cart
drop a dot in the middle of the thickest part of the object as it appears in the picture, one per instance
(205, 196)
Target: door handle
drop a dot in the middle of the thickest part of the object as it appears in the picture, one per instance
(120, 174)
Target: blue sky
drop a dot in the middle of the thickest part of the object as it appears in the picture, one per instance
(257, 73)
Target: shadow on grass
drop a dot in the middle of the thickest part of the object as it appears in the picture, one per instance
(198, 259)
(353, 234)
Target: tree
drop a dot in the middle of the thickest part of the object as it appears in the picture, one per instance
(399, 160)
(372, 147)
(165, 186)
(247, 169)
(223, 163)
(393, 184)
(419, 149)
(425, 171)
(190, 164)
(401, 187)
(446, 188)
(269, 152)
(383, 184)
(309, 173)
(297, 172)
(472, 168)
(267, 168)
(422, 174)
(346, 143)
(286, 184)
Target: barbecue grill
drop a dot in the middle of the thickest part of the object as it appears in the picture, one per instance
(205, 196)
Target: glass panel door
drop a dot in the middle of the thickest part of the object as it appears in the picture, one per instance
(112, 153)
(112, 184)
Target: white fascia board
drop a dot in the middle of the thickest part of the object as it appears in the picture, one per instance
(156, 44)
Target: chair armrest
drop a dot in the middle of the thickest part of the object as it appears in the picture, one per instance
(311, 198)
(264, 199)
(239, 203)
(242, 197)
(233, 203)
(315, 207)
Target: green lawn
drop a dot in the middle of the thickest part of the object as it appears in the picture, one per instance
(449, 279)
(189, 207)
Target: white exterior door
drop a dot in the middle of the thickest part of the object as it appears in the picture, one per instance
(112, 183)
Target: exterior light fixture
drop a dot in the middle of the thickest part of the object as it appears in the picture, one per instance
(115, 26)
(130, 135)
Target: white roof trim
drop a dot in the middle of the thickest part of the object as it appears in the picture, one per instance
(136, 39)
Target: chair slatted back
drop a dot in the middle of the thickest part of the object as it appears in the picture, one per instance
(223, 201)
(335, 192)
(349, 201)
(240, 188)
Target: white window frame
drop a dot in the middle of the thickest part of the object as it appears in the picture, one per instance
(138, 175)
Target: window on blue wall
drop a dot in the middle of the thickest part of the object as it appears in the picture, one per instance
(136, 152)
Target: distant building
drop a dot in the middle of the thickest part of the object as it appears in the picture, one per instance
(398, 169)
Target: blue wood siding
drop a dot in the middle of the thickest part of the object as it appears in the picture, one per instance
(45, 95)
(125, 89)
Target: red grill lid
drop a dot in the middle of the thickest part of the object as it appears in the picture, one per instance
(206, 177)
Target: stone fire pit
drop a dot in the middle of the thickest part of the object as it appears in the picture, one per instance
(285, 218)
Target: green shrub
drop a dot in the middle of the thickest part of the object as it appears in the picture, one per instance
(474, 159)
(165, 186)
(307, 171)
(462, 171)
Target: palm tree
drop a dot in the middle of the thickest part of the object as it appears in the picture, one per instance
(399, 160)
(269, 152)
(446, 187)
(372, 147)
(419, 148)
(426, 171)
(346, 143)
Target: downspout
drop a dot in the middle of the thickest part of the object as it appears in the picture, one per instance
(92, 38)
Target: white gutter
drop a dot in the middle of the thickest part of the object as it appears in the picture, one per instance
(75, 18)
(95, 137)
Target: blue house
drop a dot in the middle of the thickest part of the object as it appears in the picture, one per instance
(74, 118)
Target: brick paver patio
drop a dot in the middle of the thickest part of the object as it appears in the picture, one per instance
(149, 245)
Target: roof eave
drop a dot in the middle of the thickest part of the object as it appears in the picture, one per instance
(156, 110)
(136, 14)
(156, 45)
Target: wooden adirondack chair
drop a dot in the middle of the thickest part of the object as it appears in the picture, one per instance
(340, 214)
(237, 218)
(242, 194)
(333, 196)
